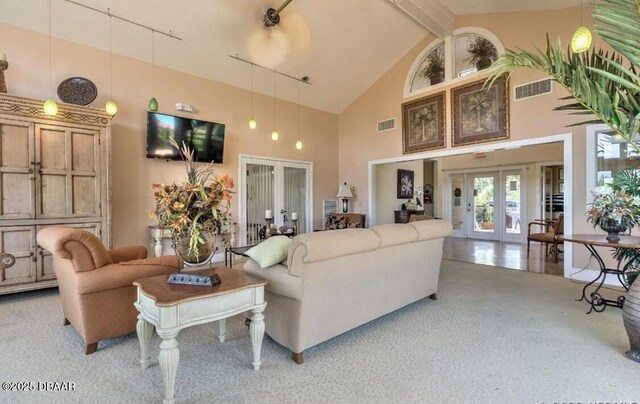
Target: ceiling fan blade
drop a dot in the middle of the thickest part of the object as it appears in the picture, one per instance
(295, 26)
(268, 47)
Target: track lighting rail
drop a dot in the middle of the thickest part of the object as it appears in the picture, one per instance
(303, 79)
(110, 14)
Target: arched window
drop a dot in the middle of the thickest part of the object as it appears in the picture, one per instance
(454, 58)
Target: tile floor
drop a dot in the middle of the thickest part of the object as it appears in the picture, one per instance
(502, 254)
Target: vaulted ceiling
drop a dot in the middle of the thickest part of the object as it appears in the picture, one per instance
(344, 46)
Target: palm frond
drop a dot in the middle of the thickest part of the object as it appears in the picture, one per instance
(618, 26)
(599, 82)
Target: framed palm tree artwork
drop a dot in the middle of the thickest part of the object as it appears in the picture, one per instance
(423, 123)
(480, 114)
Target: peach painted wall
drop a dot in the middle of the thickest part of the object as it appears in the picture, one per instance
(133, 173)
(386, 188)
(529, 118)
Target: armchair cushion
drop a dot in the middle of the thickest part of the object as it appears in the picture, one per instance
(128, 253)
(115, 276)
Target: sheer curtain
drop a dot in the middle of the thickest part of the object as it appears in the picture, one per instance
(260, 197)
(295, 196)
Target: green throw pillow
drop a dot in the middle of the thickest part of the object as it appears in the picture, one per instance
(272, 251)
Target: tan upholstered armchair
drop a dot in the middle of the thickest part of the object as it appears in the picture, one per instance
(337, 221)
(95, 284)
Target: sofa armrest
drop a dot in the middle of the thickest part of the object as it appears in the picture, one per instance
(127, 253)
(279, 281)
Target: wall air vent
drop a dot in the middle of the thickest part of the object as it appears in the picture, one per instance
(533, 89)
(389, 124)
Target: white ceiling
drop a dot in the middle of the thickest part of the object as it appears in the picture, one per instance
(344, 46)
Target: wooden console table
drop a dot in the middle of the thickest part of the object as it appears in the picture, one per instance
(591, 241)
(170, 308)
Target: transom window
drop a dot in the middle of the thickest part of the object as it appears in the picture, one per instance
(453, 58)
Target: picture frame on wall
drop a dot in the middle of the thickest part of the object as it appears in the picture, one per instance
(423, 124)
(480, 114)
(405, 184)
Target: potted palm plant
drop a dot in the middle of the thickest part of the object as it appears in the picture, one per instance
(606, 85)
(434, 69)
(482, 53)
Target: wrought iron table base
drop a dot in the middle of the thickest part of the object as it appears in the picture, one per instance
(595, 300)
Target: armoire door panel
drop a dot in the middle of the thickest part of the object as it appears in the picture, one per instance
(84, 196)
(17, 196)
(15, 144)
(53, 148)
(17, 170)
(53, 196)
(84, 148)
(19, 241)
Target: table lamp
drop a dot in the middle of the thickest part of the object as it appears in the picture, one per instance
(345, 194)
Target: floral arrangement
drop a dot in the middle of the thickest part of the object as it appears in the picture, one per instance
(195, 206)
(614, 205)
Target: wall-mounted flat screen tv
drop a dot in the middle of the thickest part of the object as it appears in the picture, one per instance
(205, 138)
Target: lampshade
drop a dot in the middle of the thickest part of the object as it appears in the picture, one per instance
(50, 107)
(153, 104)
(345, 192)
(252, 123)
(111, 108)
(581, 41)
(299, 145)
(274, 135)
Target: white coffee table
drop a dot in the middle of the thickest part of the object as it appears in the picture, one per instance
(170, 308)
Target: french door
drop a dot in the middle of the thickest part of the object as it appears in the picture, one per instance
(483, 222)
(279, 187)
(487, 205)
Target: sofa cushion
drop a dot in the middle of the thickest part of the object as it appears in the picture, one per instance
(278, 279)
(325, 245)
(271, 251)
(395, 234)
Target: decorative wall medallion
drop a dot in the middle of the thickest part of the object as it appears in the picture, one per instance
(77, 90)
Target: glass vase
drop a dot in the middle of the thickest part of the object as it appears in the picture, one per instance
(202, 253)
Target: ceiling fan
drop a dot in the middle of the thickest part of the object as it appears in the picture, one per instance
(272, 17)
(277, 37)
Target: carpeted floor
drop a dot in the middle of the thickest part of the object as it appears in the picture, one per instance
(494, 336)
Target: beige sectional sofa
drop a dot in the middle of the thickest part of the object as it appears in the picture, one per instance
(334, 281)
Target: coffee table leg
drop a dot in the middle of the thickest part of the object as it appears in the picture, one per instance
(256, 330)
(222, 329)
(145, 332)
(169, 359)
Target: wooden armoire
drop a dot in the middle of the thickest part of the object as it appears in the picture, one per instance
(53, 171)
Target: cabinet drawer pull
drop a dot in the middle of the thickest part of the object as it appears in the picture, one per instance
(7, 260)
